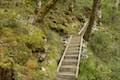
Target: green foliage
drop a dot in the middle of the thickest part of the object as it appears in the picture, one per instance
(54, 49)
(35, 38)
(105, 45)
(107, 11)
(80, 6)
(93, 69)
(21, 38)
(105, 42)
(7, 35)
(105, 48)
(6, 63)
(54, 38)
(37, 74)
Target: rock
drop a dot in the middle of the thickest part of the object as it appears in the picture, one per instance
(84, 54)
(50, 62)
(43, 69)
(41, 56)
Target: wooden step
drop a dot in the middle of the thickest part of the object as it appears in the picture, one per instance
(72, 53)
(75, 42)
(73, 48)
(74, 45)
(76, 38)
(66, 76)
(69, 62)
(71, 56)
(58, 78)
(68, 69)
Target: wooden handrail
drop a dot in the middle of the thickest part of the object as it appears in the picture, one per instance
(83, 28)
(64, 53)
(80, 50)
(81, 33)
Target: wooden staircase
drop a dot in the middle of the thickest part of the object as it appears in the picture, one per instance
(68, 67)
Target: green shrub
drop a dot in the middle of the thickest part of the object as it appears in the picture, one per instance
(93, 69)
(105, 46)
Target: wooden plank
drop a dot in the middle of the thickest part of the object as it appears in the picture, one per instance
(81, 43)
(64, 53)
(81, 33)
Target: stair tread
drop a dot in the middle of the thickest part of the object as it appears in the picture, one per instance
(73, 51)
(71, 55)
(68, 66)
(70, 60)
(66, 73)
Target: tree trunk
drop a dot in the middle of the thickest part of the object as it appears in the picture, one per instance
(38, 5)
(116, 3)
(44, 10)
(115, 9)
(93, 18)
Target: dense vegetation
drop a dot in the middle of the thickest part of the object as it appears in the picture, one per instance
(103, 62)
(31, 50)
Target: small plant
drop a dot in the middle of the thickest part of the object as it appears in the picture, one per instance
(32, 63)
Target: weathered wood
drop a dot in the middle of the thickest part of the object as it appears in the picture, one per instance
(64, 53)
(78, 65)
(68, 67)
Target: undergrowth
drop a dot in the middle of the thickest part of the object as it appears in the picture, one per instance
(103, 56)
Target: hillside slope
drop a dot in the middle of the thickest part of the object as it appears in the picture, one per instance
(29, 51)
